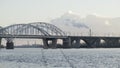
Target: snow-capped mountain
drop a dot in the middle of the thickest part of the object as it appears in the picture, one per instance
(74, 24)
(71, 23)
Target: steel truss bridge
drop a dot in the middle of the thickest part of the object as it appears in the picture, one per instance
(48, 32)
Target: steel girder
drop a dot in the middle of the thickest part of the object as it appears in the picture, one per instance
(51, 29)
(37, 28)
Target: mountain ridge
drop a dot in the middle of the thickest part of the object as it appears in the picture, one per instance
(99, 25)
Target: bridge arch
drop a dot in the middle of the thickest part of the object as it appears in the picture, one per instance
(51, 29)
(37, 28)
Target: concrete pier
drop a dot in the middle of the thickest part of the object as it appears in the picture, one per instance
(9, 45)
(52, 44)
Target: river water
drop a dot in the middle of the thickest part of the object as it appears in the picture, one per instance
(60, 58)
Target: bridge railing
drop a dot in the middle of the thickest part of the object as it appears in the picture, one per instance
(93, 34)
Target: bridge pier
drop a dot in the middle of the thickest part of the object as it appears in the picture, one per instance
(75, 43)
(52, 44)
(45, 43)
(9, 45)
(67, 42)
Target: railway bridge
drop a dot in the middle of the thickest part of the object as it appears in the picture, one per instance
(48, 32)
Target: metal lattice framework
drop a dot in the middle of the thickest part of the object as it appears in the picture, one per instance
(37, 28)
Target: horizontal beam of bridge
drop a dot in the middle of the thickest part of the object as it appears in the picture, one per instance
(59, 37)
(102, 37)
(31, 36)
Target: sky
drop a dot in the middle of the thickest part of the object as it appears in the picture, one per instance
(26, 11)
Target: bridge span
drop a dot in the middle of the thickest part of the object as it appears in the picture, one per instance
(48, 32)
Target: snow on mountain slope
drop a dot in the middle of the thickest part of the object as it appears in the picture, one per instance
(71, 23)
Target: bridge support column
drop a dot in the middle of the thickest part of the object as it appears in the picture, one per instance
(9, 45)
(67, 42)
(45, 43)
(75, 43)
(52, 44)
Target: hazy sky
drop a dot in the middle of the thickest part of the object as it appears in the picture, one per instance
(25, 11)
